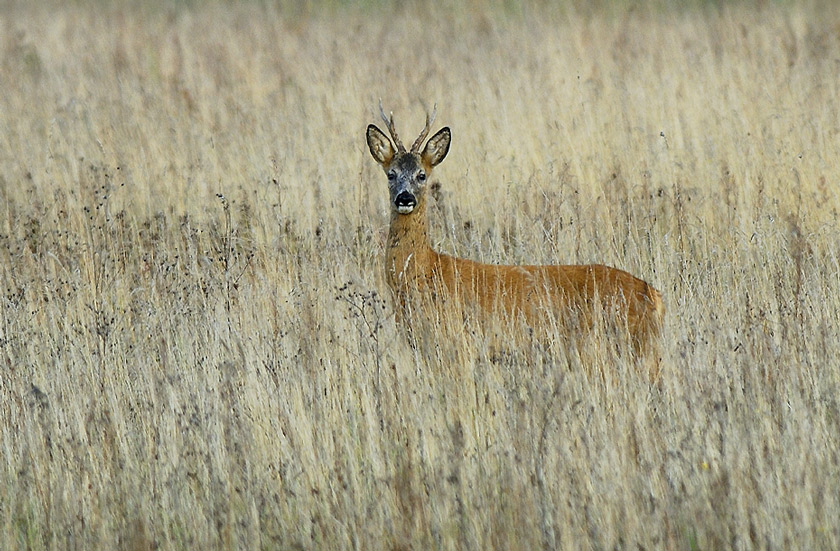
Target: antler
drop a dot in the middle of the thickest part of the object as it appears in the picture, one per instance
(429, 120)
(391, 129)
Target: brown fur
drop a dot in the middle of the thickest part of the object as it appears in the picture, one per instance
(416, 271)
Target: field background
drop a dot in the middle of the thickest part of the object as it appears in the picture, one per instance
(198, 349)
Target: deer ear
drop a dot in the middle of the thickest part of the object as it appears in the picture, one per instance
(437, 147)
(380, 146)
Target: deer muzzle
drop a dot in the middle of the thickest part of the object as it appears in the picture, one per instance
(405, 202)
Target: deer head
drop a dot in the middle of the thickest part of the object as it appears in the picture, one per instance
(408, 171)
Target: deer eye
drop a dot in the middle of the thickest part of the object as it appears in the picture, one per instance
(392, 175)
(422, 176)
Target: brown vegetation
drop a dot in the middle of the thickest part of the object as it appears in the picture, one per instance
(198, 350)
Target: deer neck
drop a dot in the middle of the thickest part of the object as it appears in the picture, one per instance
(408, 250)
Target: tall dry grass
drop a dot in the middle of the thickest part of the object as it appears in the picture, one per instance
(199, 351)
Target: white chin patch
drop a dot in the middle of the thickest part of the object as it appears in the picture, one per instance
(405, 209)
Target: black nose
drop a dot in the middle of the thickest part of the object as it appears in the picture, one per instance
(405, 199)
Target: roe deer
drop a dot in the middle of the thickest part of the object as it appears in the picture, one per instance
(414, 269)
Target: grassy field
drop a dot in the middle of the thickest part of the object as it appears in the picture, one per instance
(199, 350)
